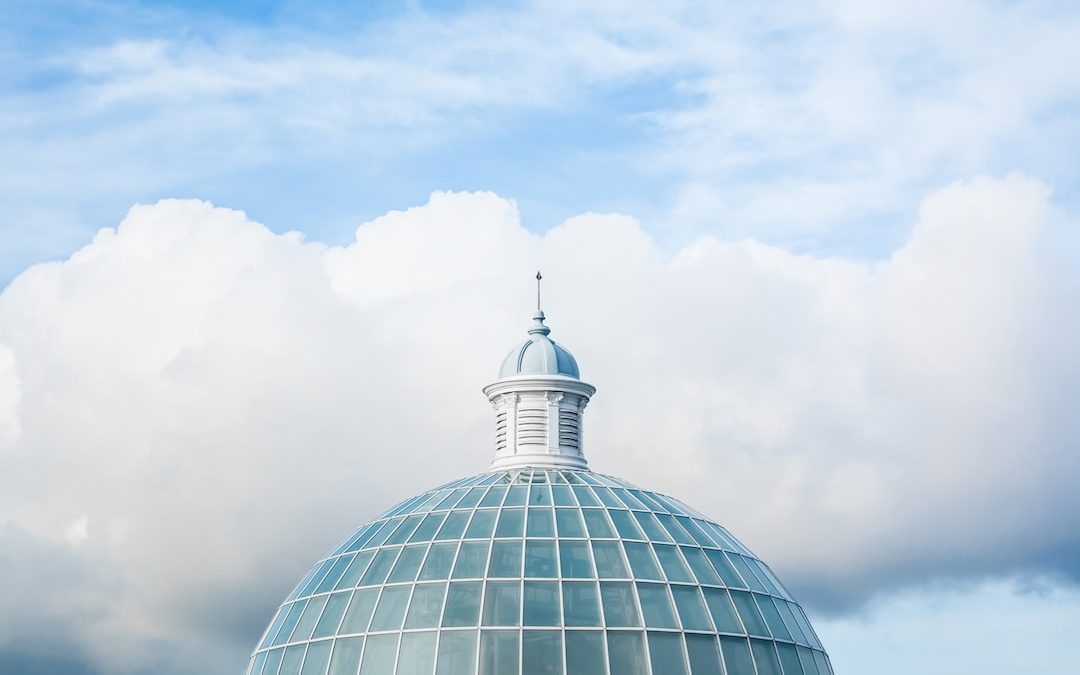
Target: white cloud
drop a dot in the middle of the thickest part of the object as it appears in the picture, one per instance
(218, 404)
(784, 122)
(10, 392)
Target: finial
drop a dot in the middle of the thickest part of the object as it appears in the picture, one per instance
(538, 327)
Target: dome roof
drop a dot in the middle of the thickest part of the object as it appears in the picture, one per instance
(539, 355)
(552, 571)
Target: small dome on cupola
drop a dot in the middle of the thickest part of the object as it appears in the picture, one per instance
(539, 355)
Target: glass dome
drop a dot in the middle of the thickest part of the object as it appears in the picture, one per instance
(540, 572)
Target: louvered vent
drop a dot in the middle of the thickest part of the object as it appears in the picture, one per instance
(569, 429)
(500, 431)
(532, 426)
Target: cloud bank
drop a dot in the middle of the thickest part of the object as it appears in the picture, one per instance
(810, 124)
(193, 408)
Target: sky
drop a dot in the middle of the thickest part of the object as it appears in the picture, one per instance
(819, 258)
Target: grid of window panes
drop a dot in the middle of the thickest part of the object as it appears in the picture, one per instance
(540, 572)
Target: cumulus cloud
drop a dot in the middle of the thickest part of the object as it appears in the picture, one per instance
(201, 407)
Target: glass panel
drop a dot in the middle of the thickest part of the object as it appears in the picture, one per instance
(457, 653)
(385, 531)
(541, 603)
(331, 616)
(426, 605)
(806, 658)
(449, 500)
(772, 617)
(626, 653)
(747, 573)
(273, 661)
(391, 610)
(574, 560)
(652, 528)
(318, 655)
(502, 603)
(585, 652)
(356, 570)
(625, 524)
(722, 611)
(362, 536)
(511, 522)
(822, 664)
(290, 622)
(619, 606)
(607, 498)
(541, 523)
(765, 656)
(272, 631)
(585, 496)
(691, 609)
(401, 534)
(569, 522)
(516, 496)
(748, 611)
(470, 499)
(702, 569)
(656, 606)
(789, 658)
(408, 564)
(429, 527)
(335, 574)
(540, 558)
(505, 559)
(804, 624)
(674, 529)
(307, 620)
(647, 499)
(417, 653)
(439, 560)
(380, 567)
(462, 604)
(454, 526)
(694, 531)
(494, 497)
(481, 525)
(723, 537)
(736, 654)
(290, 664)
(379, 654)
(609, 560)
(255, 665)
(666, 654)
(471, 560)
(581, 604)
(789, 619)
(704, 659)
(359, 613)
(671, 561)
(767, 577)
(597, 523)
(541, 652)
(563, 496)
(540, 495)
(498, 652)
(724, 568)
(626, 498)
(641, 561)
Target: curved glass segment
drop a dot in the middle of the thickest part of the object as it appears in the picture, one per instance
(540, 571)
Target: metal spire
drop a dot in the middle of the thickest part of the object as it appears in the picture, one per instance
(538, 278)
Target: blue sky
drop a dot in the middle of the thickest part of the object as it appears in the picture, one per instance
(883, 196)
